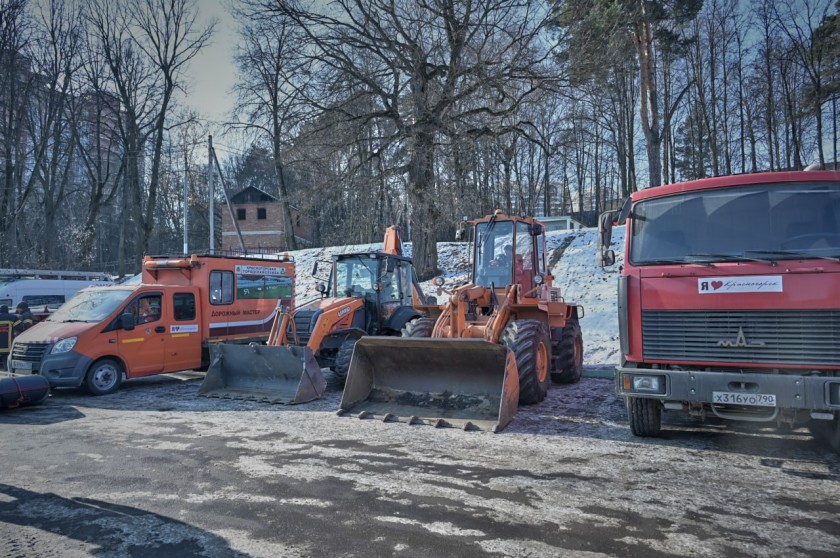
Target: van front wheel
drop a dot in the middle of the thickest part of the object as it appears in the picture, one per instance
(103, 377)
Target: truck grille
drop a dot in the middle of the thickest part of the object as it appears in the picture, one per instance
(32, 352)
(772, 337)
(304, 322)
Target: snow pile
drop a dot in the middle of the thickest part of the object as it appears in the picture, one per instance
(571, 256)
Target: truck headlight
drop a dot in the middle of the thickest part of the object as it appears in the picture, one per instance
(644, 383)
(64, 345)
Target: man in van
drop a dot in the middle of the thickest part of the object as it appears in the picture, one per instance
(24, 319)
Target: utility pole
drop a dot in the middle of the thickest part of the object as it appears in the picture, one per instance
(211, 193)
(186, 201)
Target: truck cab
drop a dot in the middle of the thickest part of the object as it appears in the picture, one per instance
(729, 300)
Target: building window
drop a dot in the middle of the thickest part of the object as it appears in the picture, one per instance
(240, 214)
(260, 213)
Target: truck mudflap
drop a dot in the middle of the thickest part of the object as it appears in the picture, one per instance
(287, 375)
(22, 391)
(463, 383)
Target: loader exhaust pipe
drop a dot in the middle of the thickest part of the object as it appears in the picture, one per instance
(286, 374)
(465, 383)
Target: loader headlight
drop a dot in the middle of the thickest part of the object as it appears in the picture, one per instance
(644, 383)
(64, 345)
(538, 279)
(321, 288)
(438, 281)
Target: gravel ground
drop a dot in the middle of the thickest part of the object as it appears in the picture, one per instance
(154, 470)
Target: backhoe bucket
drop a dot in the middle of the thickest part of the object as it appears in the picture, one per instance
(285, 374)
(465, 383)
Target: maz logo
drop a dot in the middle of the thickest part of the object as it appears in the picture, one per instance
(741, 341)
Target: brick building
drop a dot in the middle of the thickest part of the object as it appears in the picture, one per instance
(260, 219)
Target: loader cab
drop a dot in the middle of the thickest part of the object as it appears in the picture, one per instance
(508, 251)
(385, 282)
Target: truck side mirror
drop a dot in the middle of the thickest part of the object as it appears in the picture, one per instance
(606, 258)
(314, 268)
(127, 321)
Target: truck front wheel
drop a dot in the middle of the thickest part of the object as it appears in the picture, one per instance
(103, 377)
(645, 416)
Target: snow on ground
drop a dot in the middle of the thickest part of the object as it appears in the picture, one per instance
(571, 256)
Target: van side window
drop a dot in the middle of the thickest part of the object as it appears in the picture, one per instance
(41, 300)
(221, 287)
(146, 309)
(183, 305)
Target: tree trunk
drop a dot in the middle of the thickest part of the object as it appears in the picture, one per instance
(421, 180)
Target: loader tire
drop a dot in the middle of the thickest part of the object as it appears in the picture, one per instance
(531, 346)
(567, 361)
(645, 416)
(342, 360)
(418, 327)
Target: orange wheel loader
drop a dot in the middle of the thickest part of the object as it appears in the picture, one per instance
(497, 342)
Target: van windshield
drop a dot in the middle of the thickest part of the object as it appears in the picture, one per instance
(90, 306)
(750, 223)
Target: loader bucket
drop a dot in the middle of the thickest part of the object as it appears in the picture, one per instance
(285, 374)
(465, 383)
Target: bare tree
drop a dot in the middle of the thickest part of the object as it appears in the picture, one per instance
(431, 68)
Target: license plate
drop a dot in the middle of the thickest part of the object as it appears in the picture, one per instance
(748, 399)
(21, 365)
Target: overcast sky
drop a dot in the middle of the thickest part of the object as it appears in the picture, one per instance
(212, 73)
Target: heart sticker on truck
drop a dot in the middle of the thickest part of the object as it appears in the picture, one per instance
(746, 284)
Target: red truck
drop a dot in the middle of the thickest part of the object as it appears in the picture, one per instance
(729, 300)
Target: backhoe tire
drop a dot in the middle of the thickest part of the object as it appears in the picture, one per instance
(567, 361)
(645, 416)
(531, 346)
(418, 327)
(104, 376)
(342, 360)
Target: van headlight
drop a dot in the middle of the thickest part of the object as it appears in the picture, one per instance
(64, 345)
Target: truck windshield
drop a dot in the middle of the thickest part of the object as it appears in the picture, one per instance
(760, 223)
(90, 306)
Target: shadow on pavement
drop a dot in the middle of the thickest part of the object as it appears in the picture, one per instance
(106, 529)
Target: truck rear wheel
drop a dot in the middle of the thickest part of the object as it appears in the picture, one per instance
(342, 359)
(418, 327)
(567, 362)
(104, 376)
(645, 416)
(531, 346)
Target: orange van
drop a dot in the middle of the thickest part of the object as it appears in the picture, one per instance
(164, 324)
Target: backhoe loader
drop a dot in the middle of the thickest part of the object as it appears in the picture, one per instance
(368, 293)
(497, 342)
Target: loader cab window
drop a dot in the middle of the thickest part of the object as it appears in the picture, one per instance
(523, 259)
(221, 287)
(396, 284)
(494, 254)
(355, 276)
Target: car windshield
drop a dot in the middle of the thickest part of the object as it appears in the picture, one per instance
(759, 223)
(90, 305)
